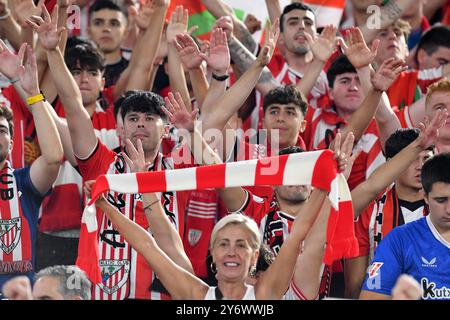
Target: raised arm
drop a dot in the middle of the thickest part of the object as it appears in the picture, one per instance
(219, 9)
(238, 93)
(180, 283)
(274, 282)
(9, 28)
(44, 169)
(274, 9)
(162, 229)
(361, 58)
(307, 275)
(78, 120)
(243, 59)
(381, 81)
(386, 174)
(177, 24)
(322, 47)
(145, 50)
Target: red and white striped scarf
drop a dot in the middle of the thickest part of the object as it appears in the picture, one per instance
(317, 168)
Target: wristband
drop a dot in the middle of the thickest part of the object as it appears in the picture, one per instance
(14, 80)
(36, 98)
(220, 78)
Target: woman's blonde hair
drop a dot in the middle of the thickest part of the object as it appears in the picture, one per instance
(242, 220)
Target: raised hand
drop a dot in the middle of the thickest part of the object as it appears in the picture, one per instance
(387, 73)
(270, 41)
(323, 46)
(49, 34)
(356, 50)
(429, 130)
(343, 151)
(24, 9)
(252, 23)
(177, 24)
(135, 158)
(143, 15)
(9, 62)
(190, 55)
(226, 24)
(28, 74)
(178, 114)
(219, 54)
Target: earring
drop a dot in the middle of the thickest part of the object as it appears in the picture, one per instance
(252, 271)
(213, 267)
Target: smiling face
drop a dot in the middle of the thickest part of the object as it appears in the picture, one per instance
(233, 253)
(295, 24)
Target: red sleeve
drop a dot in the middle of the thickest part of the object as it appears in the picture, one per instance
(97, 163)
(362, 230)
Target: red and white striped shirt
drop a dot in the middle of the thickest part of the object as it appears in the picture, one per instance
(125, 273)
(321, 130)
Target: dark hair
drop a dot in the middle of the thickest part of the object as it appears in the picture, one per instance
(435, 170)
(285, 95)
(265, 258)
(339, 66)
(89, 57)
(293, 6)
(107, 4)
(7, 113)
(290, 150)
(74, 40)
(120, 100)
(437, 36)
(399, 140)
(145, 102)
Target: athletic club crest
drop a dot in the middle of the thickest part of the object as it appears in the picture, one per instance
(10, 231)
(194, 236)
(114, 274)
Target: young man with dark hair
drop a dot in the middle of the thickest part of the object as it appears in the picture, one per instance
(434, 48)
(420, 248)
(107, 26)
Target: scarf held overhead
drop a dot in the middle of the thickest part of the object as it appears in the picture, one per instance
(316, 168)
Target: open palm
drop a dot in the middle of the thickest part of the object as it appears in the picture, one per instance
(356, 49)
(219, 54)
(178, 114)
(387, 73)
(188, 51)
(323, 46)
(9, 62)
(49, 34)
(24, 9)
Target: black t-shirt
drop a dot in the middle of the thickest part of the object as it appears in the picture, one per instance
(113, 71)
